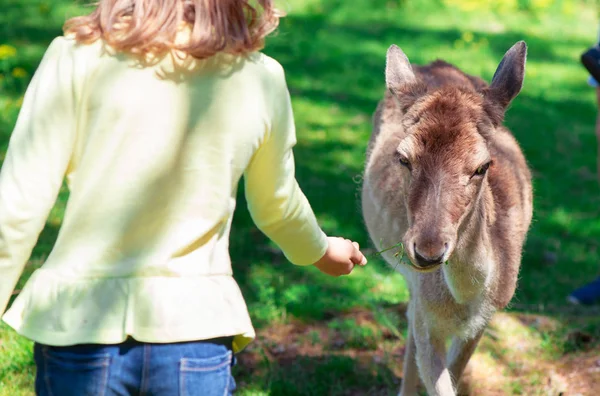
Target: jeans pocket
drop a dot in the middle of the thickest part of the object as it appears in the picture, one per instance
(66, 371)
(209, 376)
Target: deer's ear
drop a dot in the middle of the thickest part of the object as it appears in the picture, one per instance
(508, 79)
(398, 72)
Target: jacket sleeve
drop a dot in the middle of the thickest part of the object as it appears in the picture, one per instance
(38, 155)
(276, 203)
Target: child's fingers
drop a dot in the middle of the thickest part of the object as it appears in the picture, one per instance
(363, 261)
(357, 257)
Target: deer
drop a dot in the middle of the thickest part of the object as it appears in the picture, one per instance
(447, 180)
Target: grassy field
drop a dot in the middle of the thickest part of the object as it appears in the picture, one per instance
(325, 336)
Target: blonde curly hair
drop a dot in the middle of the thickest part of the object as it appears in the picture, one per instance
(153, 26)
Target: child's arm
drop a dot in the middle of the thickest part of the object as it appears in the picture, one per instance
(38, 155)
(279, 207)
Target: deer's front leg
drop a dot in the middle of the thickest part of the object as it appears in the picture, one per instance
(410, 373)
(431, 359)
(460, 353)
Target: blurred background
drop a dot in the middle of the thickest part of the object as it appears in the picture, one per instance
(322, 336)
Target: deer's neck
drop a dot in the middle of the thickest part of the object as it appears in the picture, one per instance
(470, 272)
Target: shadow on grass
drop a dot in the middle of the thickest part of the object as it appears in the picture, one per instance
(320, 375)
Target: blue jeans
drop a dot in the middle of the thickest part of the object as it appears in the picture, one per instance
(201, 368)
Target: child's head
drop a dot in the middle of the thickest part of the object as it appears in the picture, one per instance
(151, 26)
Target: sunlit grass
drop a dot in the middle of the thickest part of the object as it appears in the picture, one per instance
(16, 366)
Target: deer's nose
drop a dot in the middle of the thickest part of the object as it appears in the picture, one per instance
(429, 254)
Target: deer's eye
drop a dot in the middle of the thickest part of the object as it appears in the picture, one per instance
(482, 169)
(404, 161)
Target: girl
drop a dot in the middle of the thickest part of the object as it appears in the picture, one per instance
(153, 110)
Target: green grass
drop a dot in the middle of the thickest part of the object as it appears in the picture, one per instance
(333, 52)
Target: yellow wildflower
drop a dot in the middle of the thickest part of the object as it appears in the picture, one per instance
(19, 102)
(19, 72)
(568, 8)
(465, 5)
(540, 5)
(467, 37)
(7, 51)
(44, 8)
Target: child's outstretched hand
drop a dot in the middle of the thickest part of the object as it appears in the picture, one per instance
(341, 257)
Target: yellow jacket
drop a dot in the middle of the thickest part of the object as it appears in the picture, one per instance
(152, 154)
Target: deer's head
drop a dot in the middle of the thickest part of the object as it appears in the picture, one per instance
(443, 159)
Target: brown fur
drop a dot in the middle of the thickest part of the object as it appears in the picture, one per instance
(445, 125)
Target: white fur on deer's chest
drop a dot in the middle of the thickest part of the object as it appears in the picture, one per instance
(465, 322)
(447, 317)
(458, 296)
